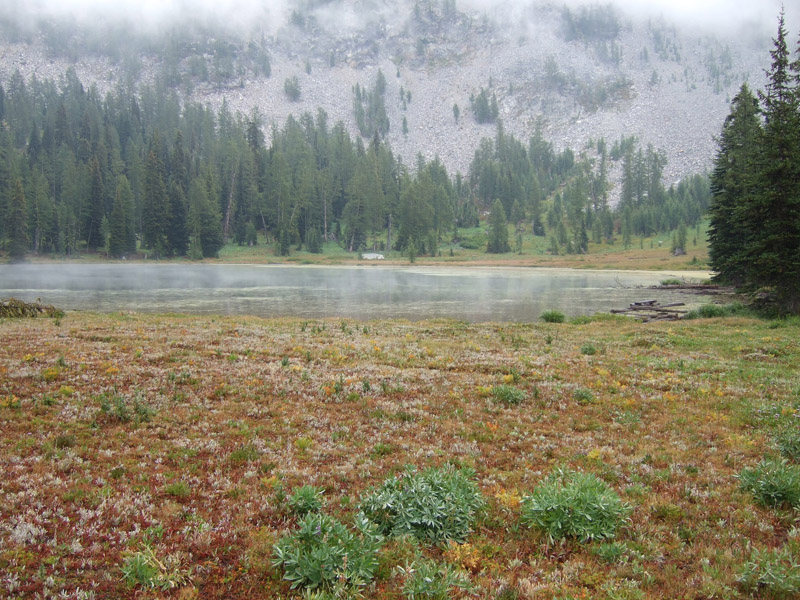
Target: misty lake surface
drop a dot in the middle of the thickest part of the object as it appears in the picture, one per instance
(363, 292)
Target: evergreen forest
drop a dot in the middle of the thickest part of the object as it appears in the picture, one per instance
(140, 172)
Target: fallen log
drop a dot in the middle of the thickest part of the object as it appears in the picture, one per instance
(651, 310)
(13, 308)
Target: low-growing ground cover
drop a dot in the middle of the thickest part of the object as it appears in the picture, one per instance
(165, 456)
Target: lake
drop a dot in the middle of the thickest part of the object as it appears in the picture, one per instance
(364, 292)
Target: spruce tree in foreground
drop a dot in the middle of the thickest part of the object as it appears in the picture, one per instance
(773, 256)
(732, 184)
(755, 213)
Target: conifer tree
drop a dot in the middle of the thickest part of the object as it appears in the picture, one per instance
(498, 230)
(732, 185)
(123, 236)
(177, 233)
(204, 221)
(155, 204)
(95, 211)
(17, 223)
(773, 214)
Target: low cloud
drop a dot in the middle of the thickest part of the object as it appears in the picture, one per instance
(723, 16)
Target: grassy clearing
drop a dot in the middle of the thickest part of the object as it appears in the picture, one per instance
(166, 456)
(650, 253)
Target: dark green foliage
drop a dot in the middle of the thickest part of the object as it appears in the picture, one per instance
(314, 241)
(155, 204)
(95, 209)
(123, 236)
(710, 311)
(435, 505)
(507, 395)
(17, 223)
(755, 234)
(312, 184)
(773, 251)
(731, 182)
(552, 316)
(771, 574)
(484, 107)
(370, 108)
(306, 499)
(773, 482)
(788, 441)
(292, 88)
(498, 230)
(323, 551)
(427, 580)
(569, 504)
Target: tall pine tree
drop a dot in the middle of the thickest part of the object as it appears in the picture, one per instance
(773, 256)
(17, 223)
(732, 186)
(155, 204)
(123, 236)
(498, 230)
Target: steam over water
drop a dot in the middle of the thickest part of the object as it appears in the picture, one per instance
(475, 294)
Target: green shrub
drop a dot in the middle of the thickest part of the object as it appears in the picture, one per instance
(178, 489)
(244, 453)
(583, 396)
(588, 349)
(788, 442)
(580, 320)
(771, 574)
(145, 569)
(428, 580)
(435, 505)
(552, 316)
(507, 395)
(138, 569)
(774, 482)
(671, 281)
(305, 500)
(323, 552)
(120, 409)
(609, 552)
(569, 504)
(710, 311)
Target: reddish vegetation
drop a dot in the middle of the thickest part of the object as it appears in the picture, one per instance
(185, 433)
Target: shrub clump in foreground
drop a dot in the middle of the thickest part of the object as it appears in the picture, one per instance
(552, 316)
(774, 482)
(771, 574)
(788, 442)
(323, 552)
(507, 395)
(434, 506)
(569, 504)
(711, 311)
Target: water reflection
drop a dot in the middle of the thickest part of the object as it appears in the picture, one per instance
(474, 294)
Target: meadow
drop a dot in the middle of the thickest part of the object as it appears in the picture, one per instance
(652, 253)
(174, 456)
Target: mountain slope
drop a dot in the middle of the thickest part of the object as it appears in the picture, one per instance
(580, 73)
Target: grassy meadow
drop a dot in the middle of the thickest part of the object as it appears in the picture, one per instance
(647, 253)
(166, 456)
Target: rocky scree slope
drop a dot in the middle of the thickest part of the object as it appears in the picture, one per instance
(579, 75)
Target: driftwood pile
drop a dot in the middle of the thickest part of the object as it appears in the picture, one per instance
(650, 310)
(12, 308)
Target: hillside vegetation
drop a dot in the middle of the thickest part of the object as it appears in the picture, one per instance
(587, 71)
